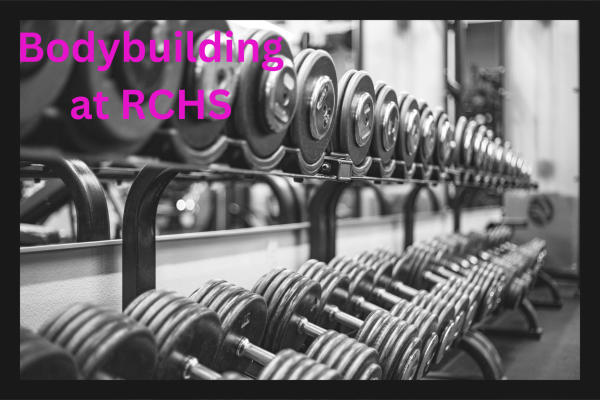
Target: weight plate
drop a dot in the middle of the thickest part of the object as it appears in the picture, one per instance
(266, 100)
(428, 134)
(445, 135)
(464, 132)
(301, 301)
(40, 359)
(386, 123)
(355, 129)
(313, 123)
(409, 135)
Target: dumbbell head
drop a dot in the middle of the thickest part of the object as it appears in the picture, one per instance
(463, 153)
(386, 124)
(41, 359)
(182, 328)
(478, 151)
(445, 137)
(200, 134)
(353, 130)
(290, 365)
(313, 122)
(409, 135)
(266, 100)
(428, 133)
(243, 314)
(103, 341)
(396, 341)
(42, 82)
(301, 297)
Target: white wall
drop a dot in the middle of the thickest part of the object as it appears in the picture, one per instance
(408, 55)
(542, 106)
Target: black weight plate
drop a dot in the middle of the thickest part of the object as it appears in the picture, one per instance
(41, 82)
(445, 132)
(249, 110)
(53, 326)
(430, 344)
(318, 119)
(300, 57)
(383, 269)
(391, 348)
(477, 149)
(264, 282)
(138, 307)
(73, 326)
(201, 133)
(40, 359)
(408, 142)
(195, 332)
(116, 133)
(369, 326)
(128, 351)
(463, 138)
(409, 363)
(335, 142)
(300, 369)
(428, 134)
(360, 83)
(333, 286)
(301, 301)
(287, 366)
(383, 339)
(285, 288)
(92, 327)
(386, 124)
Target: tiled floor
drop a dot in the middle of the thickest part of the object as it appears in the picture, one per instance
(555, 356)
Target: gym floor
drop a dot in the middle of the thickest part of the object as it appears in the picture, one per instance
(529, 358)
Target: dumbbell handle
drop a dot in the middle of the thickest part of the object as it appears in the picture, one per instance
(253, 352)
(398, 287)
(345, 319)
(194, 370)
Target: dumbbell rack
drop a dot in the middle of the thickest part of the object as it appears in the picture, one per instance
(149, 182)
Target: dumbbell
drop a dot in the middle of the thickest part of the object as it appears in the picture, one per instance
(41, 82)
(427, 144)
(513, 280)
(187, 334)
(395, 274)
(353, 130)
(386, 125)
(478, 150)
(243, 320)
(265, 104)
(409, 135)
(394, 340)
(41, 359)
(203, 141)
(360, 292)
(105, 343)
(336, 284)
(116, 133)
(516, 265)
(388, 288)
(442, 154)
(374, 294)
(289, 323)
(313, 123)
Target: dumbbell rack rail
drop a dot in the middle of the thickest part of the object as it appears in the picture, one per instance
(149, 182)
